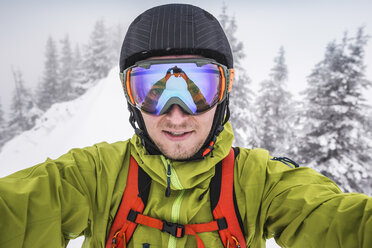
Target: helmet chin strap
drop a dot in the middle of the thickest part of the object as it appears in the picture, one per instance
(136, 116)
(221, 117)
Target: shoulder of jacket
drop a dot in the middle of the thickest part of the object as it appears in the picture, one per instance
(117, 144)
(257, 155)
(260, 159)
(119, 148)
(101, 155)
(251, 160)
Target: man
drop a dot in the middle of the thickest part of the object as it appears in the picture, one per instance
(177, 69)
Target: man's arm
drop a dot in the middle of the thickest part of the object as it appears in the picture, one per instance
(298, 207)
(306, 209)
(50, 203)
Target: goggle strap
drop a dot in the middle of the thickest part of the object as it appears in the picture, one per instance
(223, 83)
(231, 79)
(129, 90)
(121, 78)
(227, 116)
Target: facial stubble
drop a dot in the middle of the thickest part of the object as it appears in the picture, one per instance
(178, 152)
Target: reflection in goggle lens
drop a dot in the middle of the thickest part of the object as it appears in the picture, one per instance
(194, 88)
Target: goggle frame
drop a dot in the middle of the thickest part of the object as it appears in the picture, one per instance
(227, 75)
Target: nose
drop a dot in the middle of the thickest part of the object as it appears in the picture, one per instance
(176, 115)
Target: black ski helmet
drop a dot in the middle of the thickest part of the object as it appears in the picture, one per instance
(176, 29)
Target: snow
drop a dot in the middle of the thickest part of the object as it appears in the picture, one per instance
(98, 115)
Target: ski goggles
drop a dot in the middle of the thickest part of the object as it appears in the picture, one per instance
(195, 84)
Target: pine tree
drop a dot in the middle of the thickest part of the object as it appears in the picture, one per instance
(96, 60)
(48, 89)
(115, 40)
(366, 183)
(2, 122)
(336, 140)
(80, 83)
(2, 119)
(3, 132)
(241, 95)
(66, 71)
(274, 110)
(24, 111)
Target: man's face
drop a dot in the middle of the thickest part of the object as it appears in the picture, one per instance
(179, 135)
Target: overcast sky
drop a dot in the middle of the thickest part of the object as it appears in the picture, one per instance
(303, 27)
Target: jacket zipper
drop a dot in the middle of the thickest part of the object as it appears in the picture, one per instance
(173, 175)
(176, 207)
(172, 243)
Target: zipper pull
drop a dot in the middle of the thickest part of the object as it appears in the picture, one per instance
(169, 173)
(203, 194)
(114, 240)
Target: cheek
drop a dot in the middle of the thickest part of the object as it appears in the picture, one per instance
(151, 123)
(208, 118)
(205, 123)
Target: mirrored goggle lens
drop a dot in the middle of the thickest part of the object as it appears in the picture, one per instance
(156, 88)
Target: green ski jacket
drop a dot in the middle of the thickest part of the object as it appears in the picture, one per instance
(80, 192)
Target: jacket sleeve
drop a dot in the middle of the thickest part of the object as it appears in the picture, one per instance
(302, 208)
(50, 203)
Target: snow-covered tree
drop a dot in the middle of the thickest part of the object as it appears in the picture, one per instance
(23, 109)
(66, 71)
(81, 80)
(274, 110)
(2, 119)
(48, 88)
(336, 141)
(241, 95)
(115, 39)
(96, 59)
(366, 183)
(2, 122)
(3, 127)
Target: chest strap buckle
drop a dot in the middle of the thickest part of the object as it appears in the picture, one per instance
(173, 229)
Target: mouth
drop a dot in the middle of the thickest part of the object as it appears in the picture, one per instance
(177, 135)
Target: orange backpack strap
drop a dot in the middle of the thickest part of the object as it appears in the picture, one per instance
(175, 229)
(224, 205)
(134, 198)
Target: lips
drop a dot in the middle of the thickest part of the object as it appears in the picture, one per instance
(177, 135)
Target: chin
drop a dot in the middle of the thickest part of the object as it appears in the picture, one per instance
(180, 152)
(179, 155)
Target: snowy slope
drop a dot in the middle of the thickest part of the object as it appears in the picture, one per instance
(99, 115)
